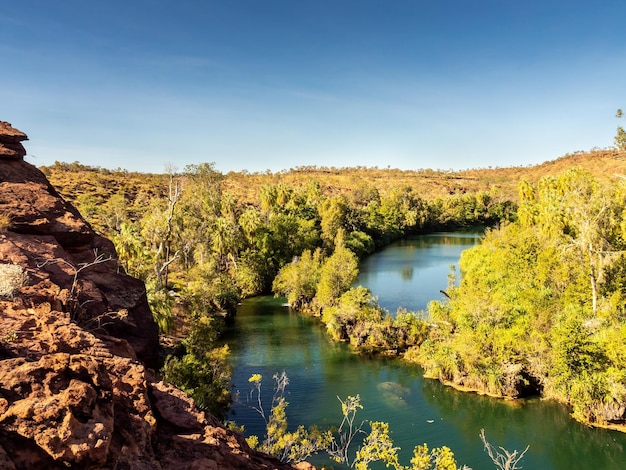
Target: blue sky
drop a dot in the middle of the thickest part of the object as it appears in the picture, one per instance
(276, 84)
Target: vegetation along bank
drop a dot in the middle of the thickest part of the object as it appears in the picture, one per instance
(539, 309)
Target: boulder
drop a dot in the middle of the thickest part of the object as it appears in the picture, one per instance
(10, 142)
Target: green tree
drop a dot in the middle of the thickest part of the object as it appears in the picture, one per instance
(251, 274)
(401, 211)
(250, 223)
(577, 212)
(333, 218)
(113, 212)
(620, 137)
(298, 280)
(200, 367)
(225, 241)
(377, 447)
(540, 305)
(161, 304)
(337, 274)
(442, 458)
(204, 189)
(355, 316)
(360, 243)
(159, 229)
(268, 195)
(574, 352)
(209, 290)
(129, 245)
(88, 206)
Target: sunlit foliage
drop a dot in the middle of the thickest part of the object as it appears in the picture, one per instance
(202, 241)
(349, 443)
(541, 302)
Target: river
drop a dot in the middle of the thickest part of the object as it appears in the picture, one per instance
(267, 337)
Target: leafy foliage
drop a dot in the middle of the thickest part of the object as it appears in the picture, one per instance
(336, 276)
(288, 446)
(200, 244)
(350, 444)
(540, 302)
(540, 307)
(298, 281)
(200, 367)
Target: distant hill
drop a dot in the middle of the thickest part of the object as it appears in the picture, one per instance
(603, 164)
(80, 182)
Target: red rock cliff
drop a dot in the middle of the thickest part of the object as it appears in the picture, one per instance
(77, 342)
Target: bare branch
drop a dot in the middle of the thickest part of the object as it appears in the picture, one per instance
(503, 459)
(73, 303)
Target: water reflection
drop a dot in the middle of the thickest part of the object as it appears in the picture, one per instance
(267, 338)
(555, 440)
(412, 272)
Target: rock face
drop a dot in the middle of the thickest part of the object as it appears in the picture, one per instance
(10, 146)
(74, 269)
(77, 344)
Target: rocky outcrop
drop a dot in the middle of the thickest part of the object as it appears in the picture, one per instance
(75, 268)
(10, 142)
(77, 344)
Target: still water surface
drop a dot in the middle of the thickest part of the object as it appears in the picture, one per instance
(267, 337)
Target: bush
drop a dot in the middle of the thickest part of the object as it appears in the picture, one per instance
(200, 367)
(12, 278)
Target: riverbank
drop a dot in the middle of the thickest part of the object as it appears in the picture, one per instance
(492, 363)
(266, 338)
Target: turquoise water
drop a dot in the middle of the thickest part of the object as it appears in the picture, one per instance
(267, 338)
(411, 273)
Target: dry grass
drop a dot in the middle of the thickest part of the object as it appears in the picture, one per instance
(5, 222)
(12, 278)
(80, 183)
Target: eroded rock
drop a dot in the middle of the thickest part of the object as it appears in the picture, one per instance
(10, 142)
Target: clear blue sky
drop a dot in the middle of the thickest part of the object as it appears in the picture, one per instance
(275, 84)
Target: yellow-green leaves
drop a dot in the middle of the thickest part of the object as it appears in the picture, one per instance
(377, 446)
(540, 301)
(255, 378)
